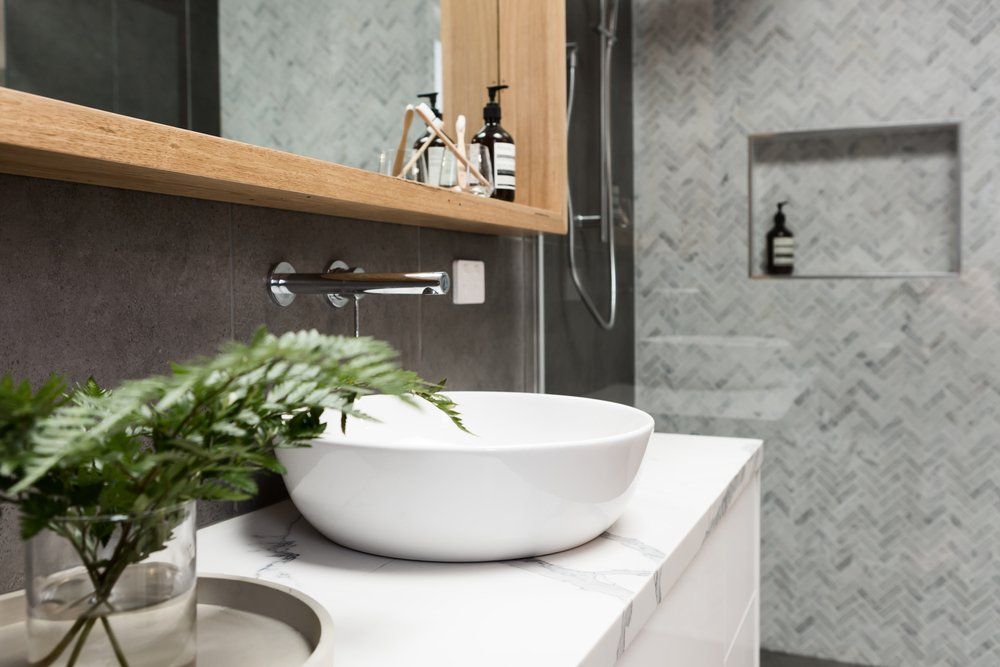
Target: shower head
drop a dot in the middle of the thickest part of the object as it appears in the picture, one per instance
(608, 26)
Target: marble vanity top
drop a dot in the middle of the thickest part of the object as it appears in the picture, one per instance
(578, 607)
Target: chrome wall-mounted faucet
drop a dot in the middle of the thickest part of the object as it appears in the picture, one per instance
(343, 284)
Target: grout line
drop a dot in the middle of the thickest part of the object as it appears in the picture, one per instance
(418, 362)
(115, 55)
(534, 317)
(538, 314)
(234, 508)
(188, 69)
(232, 276)
(3, 40)
(526, 334)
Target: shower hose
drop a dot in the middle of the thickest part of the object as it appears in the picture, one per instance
(606, 29)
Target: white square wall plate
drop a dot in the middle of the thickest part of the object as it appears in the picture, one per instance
(468, 279)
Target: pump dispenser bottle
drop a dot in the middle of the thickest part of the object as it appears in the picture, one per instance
(780, 246)
(501, 147)
(429, 164)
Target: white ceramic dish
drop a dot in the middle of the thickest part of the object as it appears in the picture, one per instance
(542, 473)
(241, 623)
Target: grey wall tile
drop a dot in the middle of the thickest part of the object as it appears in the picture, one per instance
(213, 511)
(11, 551)
(477, 346)
(108, 282)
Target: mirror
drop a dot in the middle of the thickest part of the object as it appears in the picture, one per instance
(320, 78)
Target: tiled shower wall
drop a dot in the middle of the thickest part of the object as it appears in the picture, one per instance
(116, 284)
(879, 400)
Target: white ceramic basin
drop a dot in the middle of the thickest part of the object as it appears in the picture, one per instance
(541, 474)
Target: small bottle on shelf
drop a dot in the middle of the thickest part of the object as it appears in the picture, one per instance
(501, 147)
(780, 246)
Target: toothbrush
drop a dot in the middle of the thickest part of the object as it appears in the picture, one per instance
(423, 147)
(397, 163)
(427, 116)
(460, 137)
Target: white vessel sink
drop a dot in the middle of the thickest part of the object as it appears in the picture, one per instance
(541, 474)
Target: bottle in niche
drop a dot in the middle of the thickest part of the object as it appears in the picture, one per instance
(501, 147)
(780, 245)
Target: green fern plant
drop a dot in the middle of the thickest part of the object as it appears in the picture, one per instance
(201, 432)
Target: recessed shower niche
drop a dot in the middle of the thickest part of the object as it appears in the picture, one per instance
(875, 202)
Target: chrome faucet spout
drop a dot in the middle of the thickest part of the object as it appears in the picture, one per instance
(362, 283)
(340, 283)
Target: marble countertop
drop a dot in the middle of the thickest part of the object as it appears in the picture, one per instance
(578, 607)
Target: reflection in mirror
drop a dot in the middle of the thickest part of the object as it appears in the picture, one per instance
(151, 59)
(313, 77)
(3, 49)
(325, 79)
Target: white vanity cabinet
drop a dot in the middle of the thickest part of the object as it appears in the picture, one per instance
(711, 615)
(673, 583)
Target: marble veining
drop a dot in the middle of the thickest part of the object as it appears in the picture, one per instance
(623, 635)
(732, 491)
(580, 607)
(595, 582)
(638, 545)
(278, 548)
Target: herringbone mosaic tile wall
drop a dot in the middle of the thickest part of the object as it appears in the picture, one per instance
(324, 79)
(879, 399)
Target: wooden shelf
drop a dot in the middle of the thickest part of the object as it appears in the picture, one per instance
(48, 138)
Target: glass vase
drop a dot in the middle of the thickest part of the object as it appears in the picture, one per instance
(114, 590)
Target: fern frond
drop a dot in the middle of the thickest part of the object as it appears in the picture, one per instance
(199, 432)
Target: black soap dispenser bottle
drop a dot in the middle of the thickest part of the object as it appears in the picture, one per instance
(501, 147)
(780, 246)
(429, 164)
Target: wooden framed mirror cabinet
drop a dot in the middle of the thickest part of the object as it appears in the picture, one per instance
(482, 42)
